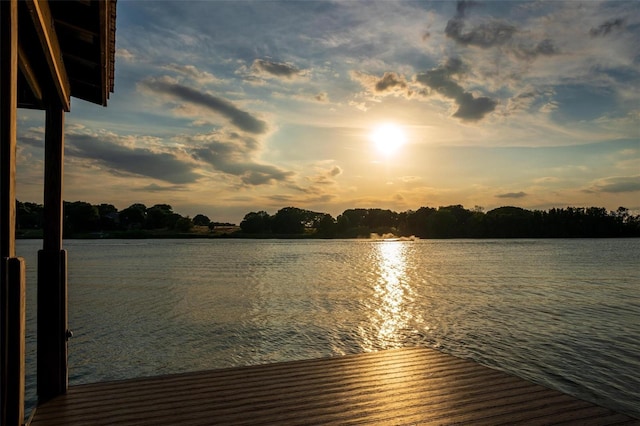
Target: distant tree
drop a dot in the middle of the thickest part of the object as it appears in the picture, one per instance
(160, 216)
(109, 217)
(256, 223)
(362, 222)
(288, 220)
(448, 222)
(134, 216)
(417, 221)
(184, 224)
(326, 226)
(509, 222)
(29, 215)
(80, 216)
(353, 218)
(442, 224)
(201, 220)
(476, 226)
(381, 221)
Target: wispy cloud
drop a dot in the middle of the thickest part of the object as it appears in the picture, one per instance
(239, 118)
(266, 68)
(193, 73)
(617, 184)
(515, 195)
(159, 188)
(484, 35)
(232, 154)
(607, 27)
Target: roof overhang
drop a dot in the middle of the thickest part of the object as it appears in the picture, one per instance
(66, 48)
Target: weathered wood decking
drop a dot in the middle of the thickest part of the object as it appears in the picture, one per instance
(405, 386)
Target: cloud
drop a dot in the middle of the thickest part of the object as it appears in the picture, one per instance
(232, 154)
(109, 152)
(545, 47)
(440, 79)
(322, 97)
(617, 184)
(605, 28)
(512, 195)
(484, 35)
(191, 71)
(326, 177)
(276, 69)
(239, 118)
(125, 55)
(390, 83)
(496, 33)
(158, 188)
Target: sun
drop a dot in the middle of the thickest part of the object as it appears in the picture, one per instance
(387, 138)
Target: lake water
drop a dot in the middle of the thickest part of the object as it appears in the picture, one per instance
(562, 313)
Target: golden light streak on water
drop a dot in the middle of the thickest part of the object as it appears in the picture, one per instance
(390, 315)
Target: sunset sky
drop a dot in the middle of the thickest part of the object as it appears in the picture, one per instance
(223, 108)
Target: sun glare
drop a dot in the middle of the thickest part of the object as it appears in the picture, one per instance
(388, 138)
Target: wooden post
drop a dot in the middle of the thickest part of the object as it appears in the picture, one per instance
(12, 270)
(53, 178)
(52, 267)
(8, 106)
(15, 297)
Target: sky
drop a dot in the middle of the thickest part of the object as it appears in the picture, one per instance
(227, 107)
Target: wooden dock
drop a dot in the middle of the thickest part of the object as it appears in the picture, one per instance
(403, 386)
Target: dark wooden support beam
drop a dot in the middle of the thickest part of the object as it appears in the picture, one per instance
(8, 106)
(43, 23)
(12, 276)
(52, 373)
(29, 74)
(53, 178)
(14, 306)
(52, 268)
(104, 49)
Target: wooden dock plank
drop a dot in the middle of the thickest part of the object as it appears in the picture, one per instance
(404, 386)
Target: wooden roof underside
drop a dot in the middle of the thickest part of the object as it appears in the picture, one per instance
(66, 48)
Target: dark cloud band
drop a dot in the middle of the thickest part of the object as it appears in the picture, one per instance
(512, 195)
(139, 161)
(277, 69)
(241, 119)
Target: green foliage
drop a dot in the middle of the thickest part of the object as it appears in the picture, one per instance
(82, 218)
(109, 218)
(29, 215)
(289, 221)
(201, 220)
(256, 223)
(184, 224)
(160, 216)
(134, 216)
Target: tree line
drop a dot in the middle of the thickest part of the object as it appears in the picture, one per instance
(82, 218)
(448, 222)
(454, 221)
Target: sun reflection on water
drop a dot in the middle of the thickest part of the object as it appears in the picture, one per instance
(390, 316)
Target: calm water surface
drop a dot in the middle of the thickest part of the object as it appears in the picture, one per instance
(563, 313)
